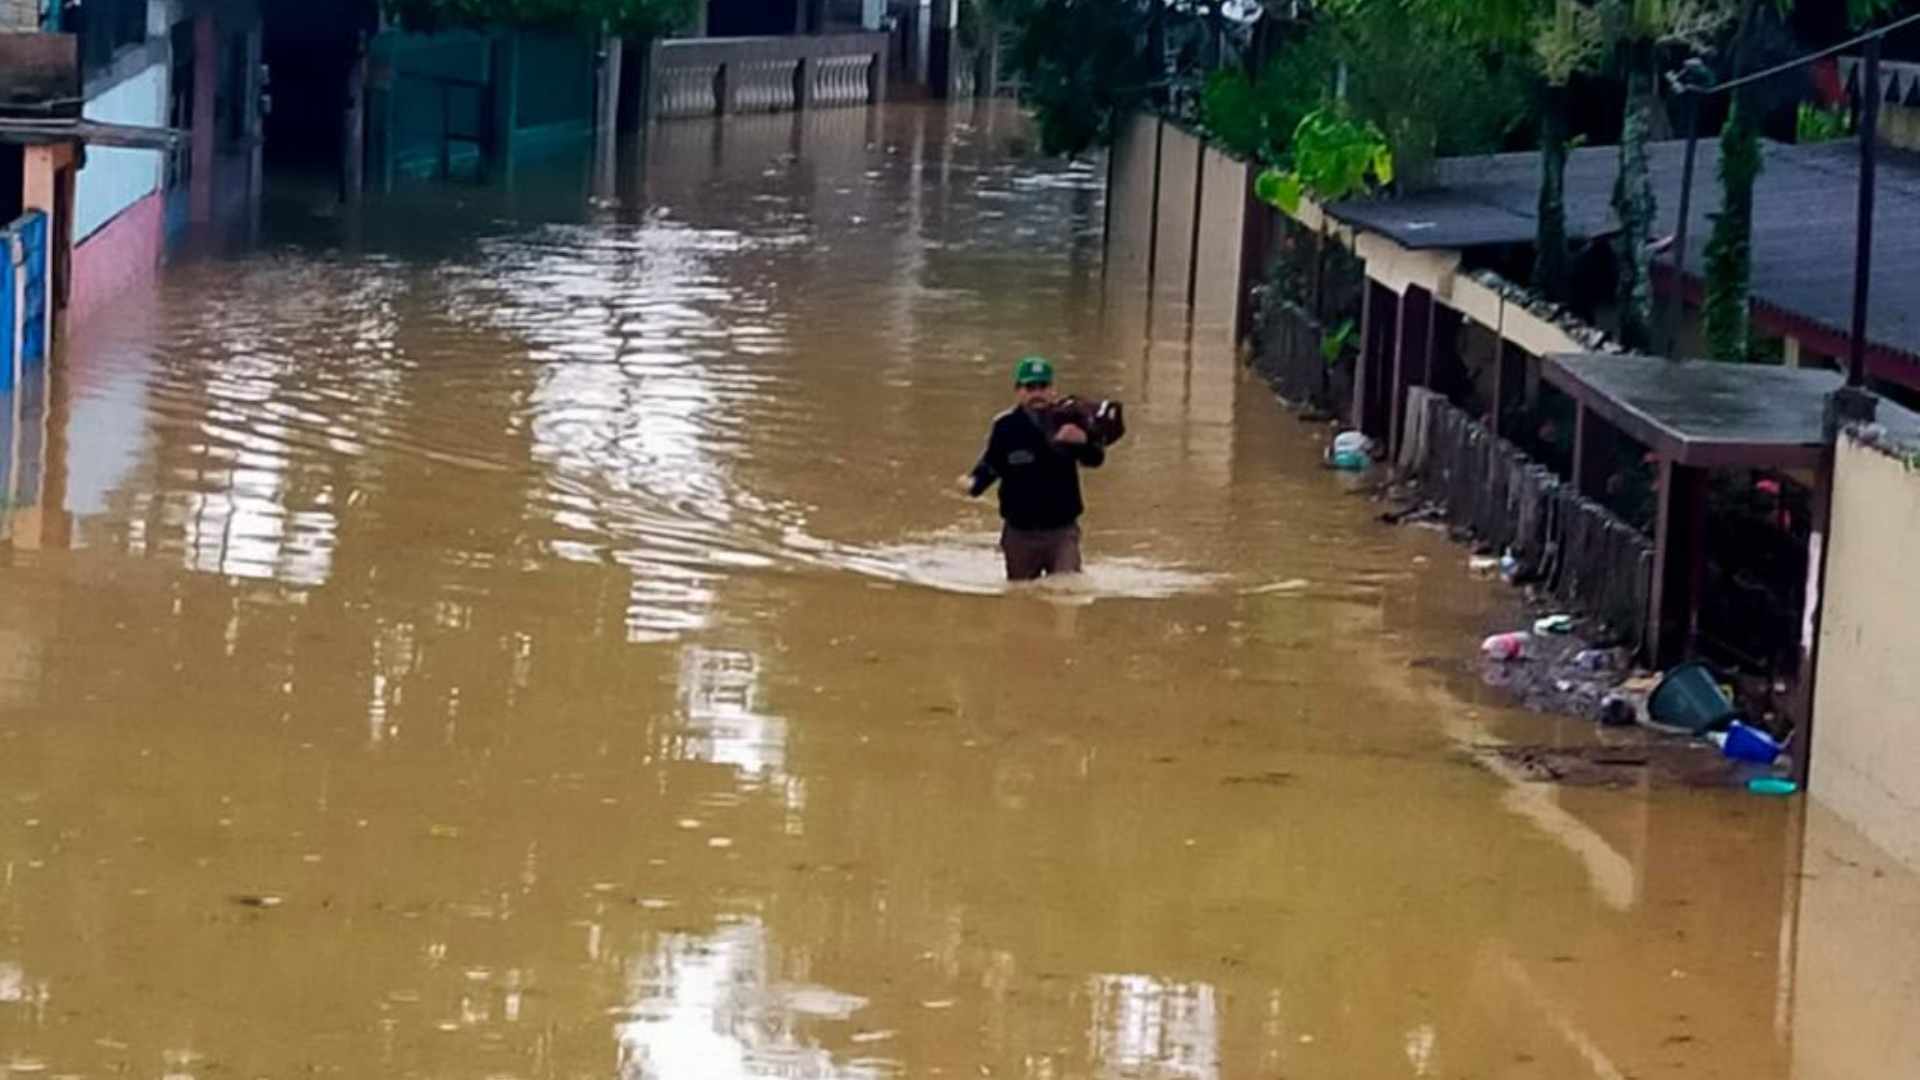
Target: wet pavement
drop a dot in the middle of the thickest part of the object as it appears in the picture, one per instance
(519, 634)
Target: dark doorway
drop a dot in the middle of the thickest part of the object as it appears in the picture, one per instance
(13, 181)
(753, 18)
(309, 50)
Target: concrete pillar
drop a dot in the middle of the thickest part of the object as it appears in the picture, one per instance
(1679, 563)
(1379, 331)
(803, 80)
(38, 188)
(1256, 235)
(353, 165)
(942, 46)
(1585, 453)
(206, 76)
(1509, 383)
(1412, 357)
(1595, 445)
(606, 133)
(877, 77)
(636, 86)
(1793, 358)
(918, 45)
(505, 64)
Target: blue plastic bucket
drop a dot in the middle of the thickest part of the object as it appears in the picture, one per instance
(1750, 744)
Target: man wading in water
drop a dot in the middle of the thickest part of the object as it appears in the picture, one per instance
(1039, 475)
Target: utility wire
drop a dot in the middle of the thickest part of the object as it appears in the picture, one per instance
(1781, 69)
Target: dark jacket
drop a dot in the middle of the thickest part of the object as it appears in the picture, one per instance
(1039, 479)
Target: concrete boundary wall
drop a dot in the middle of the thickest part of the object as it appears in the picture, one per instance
(1175, 219)
(1218, 235)
(1866, 734)
(1132, 175)
(1179, 215)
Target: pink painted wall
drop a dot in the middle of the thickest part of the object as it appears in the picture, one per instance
(123, 253)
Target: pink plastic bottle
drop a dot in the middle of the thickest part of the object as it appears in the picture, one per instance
(1506, 647)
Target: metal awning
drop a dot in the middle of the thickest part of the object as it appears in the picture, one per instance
(89, 132)
(1705, 414)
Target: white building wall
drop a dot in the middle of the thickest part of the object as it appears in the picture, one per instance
(115, 178)
(1866, 731)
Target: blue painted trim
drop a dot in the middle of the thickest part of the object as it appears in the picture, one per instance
(6, 311)
(32, 230)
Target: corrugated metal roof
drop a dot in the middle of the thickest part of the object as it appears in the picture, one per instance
(1804, 211)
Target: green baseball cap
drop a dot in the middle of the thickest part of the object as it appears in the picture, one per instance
(1033, 369)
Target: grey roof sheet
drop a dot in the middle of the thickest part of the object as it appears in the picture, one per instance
(1804, 210)
(1708, 413)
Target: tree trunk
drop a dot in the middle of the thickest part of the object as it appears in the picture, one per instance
(1550, 242)
(1634, 203)
(1730, 250)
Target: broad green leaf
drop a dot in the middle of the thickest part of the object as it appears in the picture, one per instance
(1290, 194)
(1383, 163)
(1267, 186)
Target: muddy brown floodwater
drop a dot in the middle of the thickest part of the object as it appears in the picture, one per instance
(519, 635)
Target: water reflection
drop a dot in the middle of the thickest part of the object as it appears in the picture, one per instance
(710, 1007)
(1143, 1027)
(719, 693)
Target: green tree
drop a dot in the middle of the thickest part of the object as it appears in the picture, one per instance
(1566, 42)
(1552, 40)
(1729, 252)
(1636, 32)
(1084, 65)
(1332, 156)
(1436, 76)
(1255, 117)
(634, 18)
(1729, 255)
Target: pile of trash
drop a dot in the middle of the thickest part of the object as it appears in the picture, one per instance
(1552, 668)
(1569, 665)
